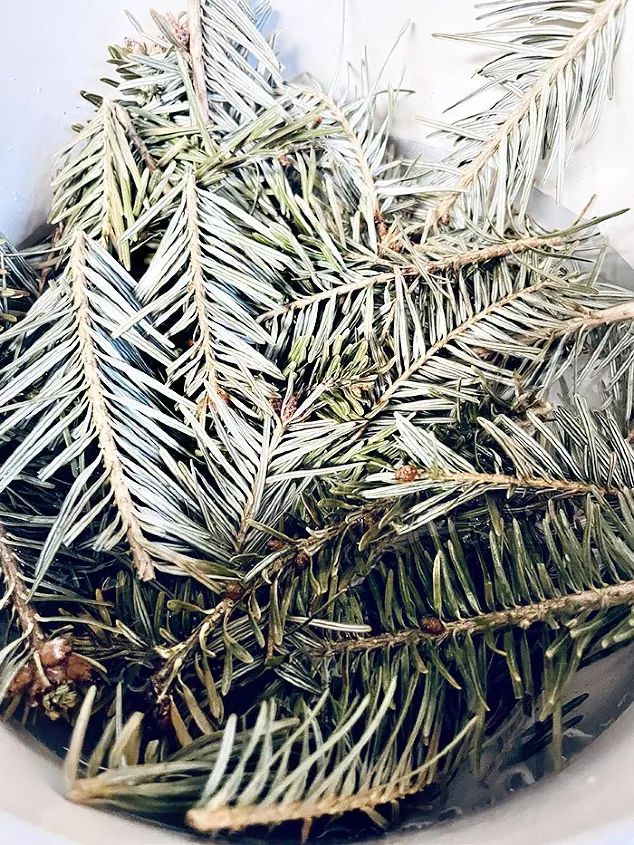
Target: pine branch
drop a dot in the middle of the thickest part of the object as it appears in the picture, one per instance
(101, 419)
(497, 481)
(365, 170)
(231, 818)
(589, 601)
(459, 331)
(534, 101)
(197, 55)
(454, 263)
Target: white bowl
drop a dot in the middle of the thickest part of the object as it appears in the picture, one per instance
(48, 51)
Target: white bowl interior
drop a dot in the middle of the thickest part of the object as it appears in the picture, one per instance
(47, 53)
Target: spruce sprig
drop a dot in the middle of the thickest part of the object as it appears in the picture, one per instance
(299, 501)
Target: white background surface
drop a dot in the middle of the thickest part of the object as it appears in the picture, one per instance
(48, 51)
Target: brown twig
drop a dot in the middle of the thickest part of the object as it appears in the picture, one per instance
(164, 679)
(25, 612)
(52, 662)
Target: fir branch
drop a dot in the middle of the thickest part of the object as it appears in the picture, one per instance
(197, 55)
(523, 617)
(100, 416)
(212, 390)
(204, 271)
(375, 216)
(133, 135)
(94, 189)
(497, 481)
(239, 818)
(504, 249)
(621, 313)
(455, 334)
(454, 263)
(524, 108)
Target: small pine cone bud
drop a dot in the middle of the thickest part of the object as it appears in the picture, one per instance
(406, 474)
(234, 591)
(22, 680)
(276, 545)
(55, 652)
(318, 122)
(284, 160)
(381, 226)
(302, 560)
(432, 625)
(276, 405)
(162, 715)
(290, 409)
(78, 669)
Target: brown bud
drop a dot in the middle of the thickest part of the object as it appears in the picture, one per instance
(290, 409)
(39, 685)
(163, 714)
(406, 474)
(318, 122)
(432, 625)
(78, 669)
(55, 652)
(302, 560)
(234, 591)
(285, 160)
(381, 226)
(22, 680)
(276, 545)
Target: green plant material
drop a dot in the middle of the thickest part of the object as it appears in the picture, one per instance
(301, 509)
